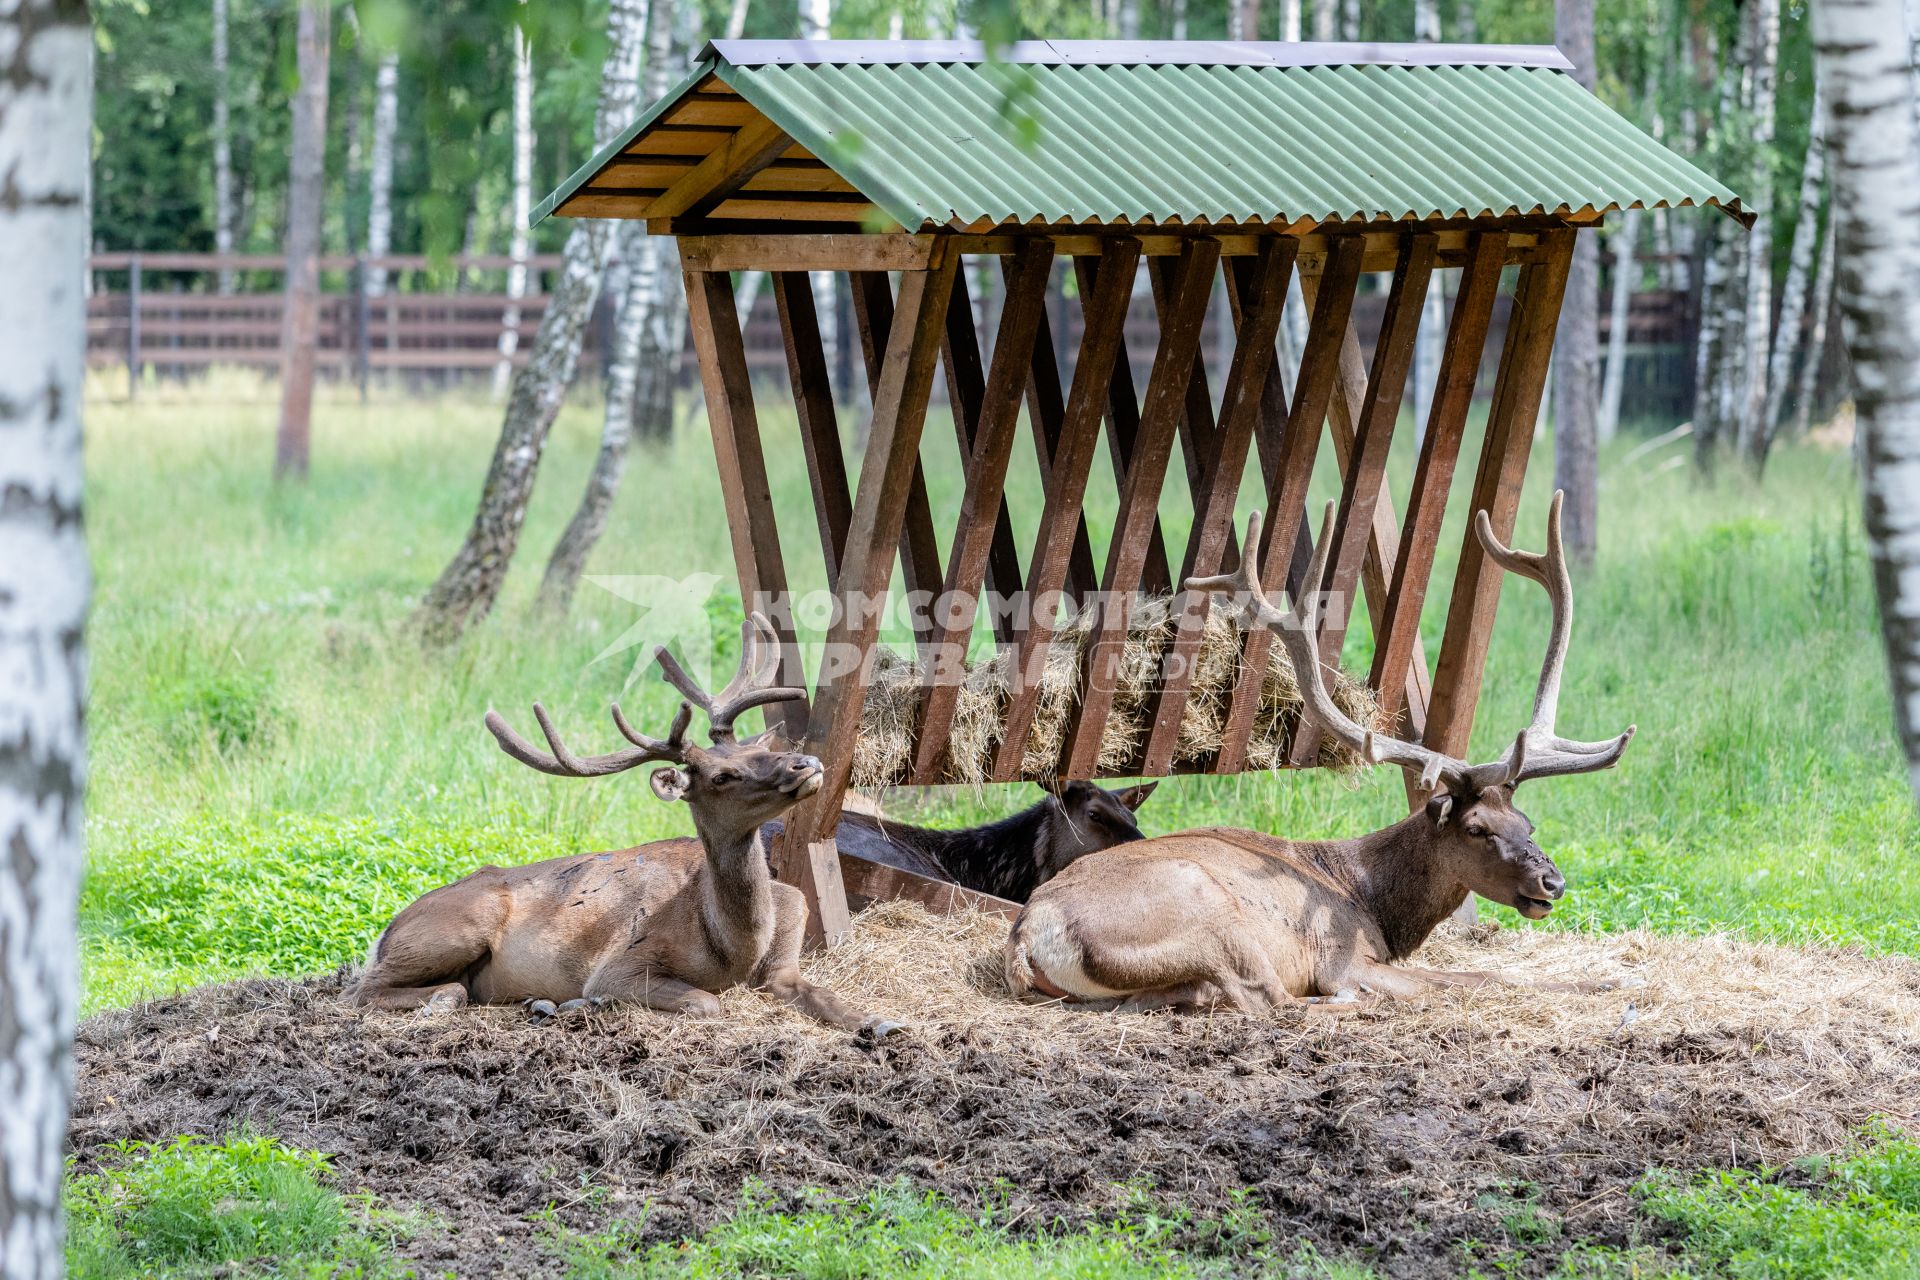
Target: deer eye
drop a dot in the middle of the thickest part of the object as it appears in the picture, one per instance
(724, 779)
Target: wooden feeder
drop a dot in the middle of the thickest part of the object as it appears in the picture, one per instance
(1258, 163)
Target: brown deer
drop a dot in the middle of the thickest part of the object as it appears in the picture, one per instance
(666, 924)
(1008, 858)
(1223, 917)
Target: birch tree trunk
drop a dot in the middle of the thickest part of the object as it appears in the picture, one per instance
(1326, 20)
(386, 123)
(46, 104)
(1793, 299)
(1290, 19)
(467, 589)
(640, 358)
(1177, 23)
(1129, 22)
(816, 23)
(1618, 313)
(522, 207)
(1426, 20)
(1816, 354)
(306, 188)
(1873, 142)
(1349, 19)
(1577, 354)
(222, 149)
(1713, 356)
(1433, 308)
(1754, 428)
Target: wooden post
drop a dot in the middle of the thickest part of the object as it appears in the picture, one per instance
(813, 405)
(966, 390)
(743, 474)
(133, 326)
(1496, 490)
(809, 858)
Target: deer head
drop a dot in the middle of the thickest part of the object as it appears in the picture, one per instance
(1485, 840)
(1083, 818)
(732, 786)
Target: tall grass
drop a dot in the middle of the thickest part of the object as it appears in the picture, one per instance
(278, 764)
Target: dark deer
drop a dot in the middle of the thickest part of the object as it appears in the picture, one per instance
(1009, 858)
(1241, 919)
(666, 924)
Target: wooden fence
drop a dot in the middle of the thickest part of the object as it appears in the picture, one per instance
(161, 313)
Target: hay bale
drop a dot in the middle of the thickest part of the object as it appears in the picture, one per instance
(883, 755)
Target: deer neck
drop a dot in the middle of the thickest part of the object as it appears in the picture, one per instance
(1400, 877)
(736, 889)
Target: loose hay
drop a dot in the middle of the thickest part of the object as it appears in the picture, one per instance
(1390, 1132)
(883, 755)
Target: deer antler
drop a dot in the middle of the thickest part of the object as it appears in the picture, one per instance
(752, 685)
(1536, 752)
(1540, 752)
(562, 763)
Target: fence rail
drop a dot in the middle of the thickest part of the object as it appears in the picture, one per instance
(168, 317)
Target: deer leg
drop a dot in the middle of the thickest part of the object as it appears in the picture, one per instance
(1394, 981)
(655, 990)
(445, 995)
(779, 974)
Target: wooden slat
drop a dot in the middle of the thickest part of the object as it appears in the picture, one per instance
(722, 172)
(1138, 519)
(1123, 428)
(919, 551)
(1198, 432)
(1399, 626)
(699, 110)
(1046, 412)
(966, 389)
(1496, 490)
(878, 882)
(1100, 346)
(743, 473)
(1212, 536)
(686, 140)
(987, 461)
(813, 403)
(827, 207)
(809, 252)
(1287, 483)
(879, 507)
(1363, 462)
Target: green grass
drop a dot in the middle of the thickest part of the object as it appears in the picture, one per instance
(193, 1207)
(278, 766)
(893, 1232)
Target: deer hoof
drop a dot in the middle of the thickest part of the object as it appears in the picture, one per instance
(542, 1011)
(881, 1029)
(581, 1004)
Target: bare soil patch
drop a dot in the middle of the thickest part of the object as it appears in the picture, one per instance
(1392, 1133)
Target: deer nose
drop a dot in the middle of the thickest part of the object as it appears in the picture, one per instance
(1554, 883)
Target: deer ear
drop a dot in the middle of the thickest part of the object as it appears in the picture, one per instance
(1052, 786)
(1440, 808)
(671, 784)
(1134, 797)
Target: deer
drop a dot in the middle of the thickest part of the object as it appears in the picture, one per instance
(1226, 918)
(666, 924)
(1009, 858)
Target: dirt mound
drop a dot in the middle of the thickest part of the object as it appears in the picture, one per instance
(1393, 1133)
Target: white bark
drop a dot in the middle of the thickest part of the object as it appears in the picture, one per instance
(469, 585)
(1759, 313)
(46, 102)
(1426, 20)
(306, 194)
(1576, 381)
(1289, 19)
(816, 23)
(522, 207)
(1177, 28)
(1129, 19)
(737, 19)
(1350, 19)
(222, 148)
(1625, 277)
(1433, 309)
(1865, 65)
(1822, 310)
(386, 122)
(1793, 298)
(1326, 20)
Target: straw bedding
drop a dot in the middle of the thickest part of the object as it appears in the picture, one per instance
(892, 710)
(1391, 1134)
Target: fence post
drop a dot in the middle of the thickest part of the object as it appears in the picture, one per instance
(361, 318)
(133, 325)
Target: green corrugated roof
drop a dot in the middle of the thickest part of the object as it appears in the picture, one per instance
(1242, 134)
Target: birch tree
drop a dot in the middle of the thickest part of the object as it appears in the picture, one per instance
(1326, 20)
(1433, 308)
(1793, 298)
(386, 123)
(470, 584)
(816, 23)
(1619, 312)
(640, 362)
(1866, 67)
(522, 206)
(306, 189)
(46, 122)
(1821, 310)
(1577, 355)
(222, 149)
(1713, 353)
(1758, 326)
